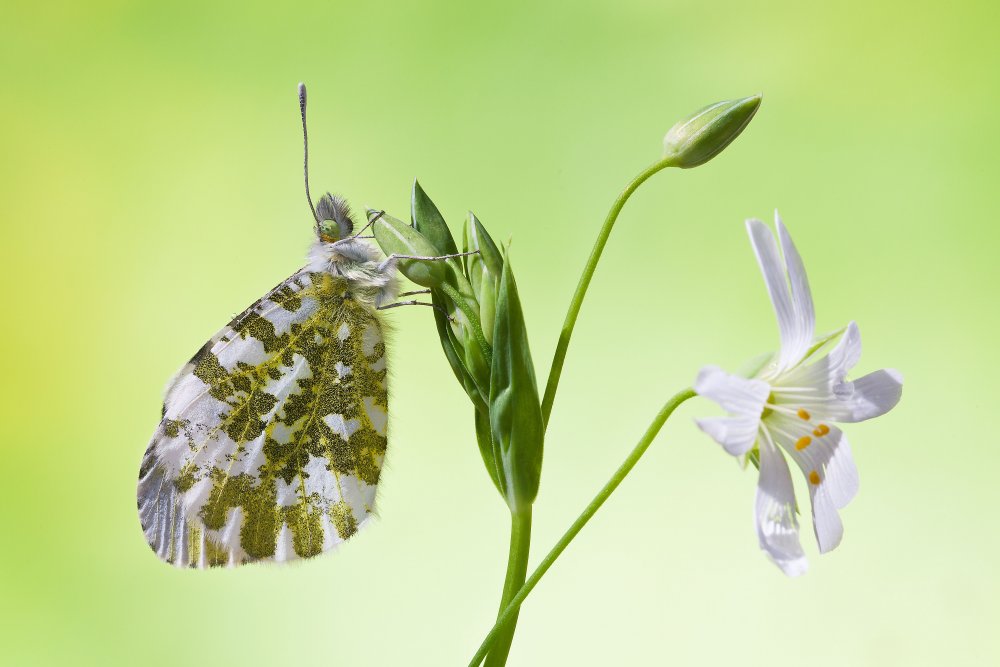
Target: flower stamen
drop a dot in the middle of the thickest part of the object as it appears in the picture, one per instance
(821, 430)
(803, 442)
(774, 407)
(803, 414)
(814, 477)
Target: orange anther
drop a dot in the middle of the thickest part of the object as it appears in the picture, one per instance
(803, 442)
(814, 477)
(821, 430)
(803, 414)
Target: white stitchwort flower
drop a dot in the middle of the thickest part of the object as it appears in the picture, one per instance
(790, 405)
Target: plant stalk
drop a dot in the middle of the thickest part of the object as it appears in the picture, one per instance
(511, 610)
(517, 568)
(581, 288)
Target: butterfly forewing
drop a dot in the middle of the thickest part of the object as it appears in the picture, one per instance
(273, 435)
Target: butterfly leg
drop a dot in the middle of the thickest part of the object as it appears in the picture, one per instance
(415, 303)
(373, 217)
(391, 259)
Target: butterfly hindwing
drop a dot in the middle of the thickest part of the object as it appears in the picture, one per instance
(273, 435)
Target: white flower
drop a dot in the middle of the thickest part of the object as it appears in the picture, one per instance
(790, 405)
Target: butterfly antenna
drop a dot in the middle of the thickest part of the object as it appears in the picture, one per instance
(305, 148)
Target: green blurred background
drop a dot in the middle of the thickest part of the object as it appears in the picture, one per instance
(151, 188)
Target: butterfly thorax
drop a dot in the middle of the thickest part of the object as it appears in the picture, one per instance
(357, 262)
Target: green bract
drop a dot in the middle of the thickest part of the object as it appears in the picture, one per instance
(427, 220)
(515, 413)
(484, 436)
(451, 346)
(702, 135)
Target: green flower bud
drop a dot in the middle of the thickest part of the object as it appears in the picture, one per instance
(702, 135)
(484, 271)
(396, 237)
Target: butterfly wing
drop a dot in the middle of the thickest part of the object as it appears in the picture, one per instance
(273, 435)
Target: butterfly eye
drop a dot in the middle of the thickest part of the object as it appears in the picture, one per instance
(331, 230)
(334, 217)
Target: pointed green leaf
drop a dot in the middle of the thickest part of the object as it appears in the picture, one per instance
(515, 413)
(427, 219)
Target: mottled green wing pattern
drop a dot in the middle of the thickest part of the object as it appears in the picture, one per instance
(273, 435)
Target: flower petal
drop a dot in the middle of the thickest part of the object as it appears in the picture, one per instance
(735, 434)
(777, 527)
(793, 330)
(733, 393)
(822, 389)
(873, 395)
(822, 449)
(824, 457)
(802, 301)
(827, 525)
(773, 269)
(826, 373)
(846, 354)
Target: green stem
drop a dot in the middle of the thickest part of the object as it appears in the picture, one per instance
(517, 568)
(581, 288)
(623, 470)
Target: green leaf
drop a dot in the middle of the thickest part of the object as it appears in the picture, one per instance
(515, 413)
(427, 219)
(396, 237)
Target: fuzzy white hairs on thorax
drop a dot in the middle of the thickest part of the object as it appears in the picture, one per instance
(356, 261)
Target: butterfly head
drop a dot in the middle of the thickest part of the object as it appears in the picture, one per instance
(333, 219)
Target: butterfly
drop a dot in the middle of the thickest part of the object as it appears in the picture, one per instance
(273, 435)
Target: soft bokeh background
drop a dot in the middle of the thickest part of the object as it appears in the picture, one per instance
(150, 188)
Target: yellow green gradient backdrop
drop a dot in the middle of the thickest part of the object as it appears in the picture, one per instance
(150, 188)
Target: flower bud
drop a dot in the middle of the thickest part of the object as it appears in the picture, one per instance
(396, 237)
(702, 135)
(484, 271)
